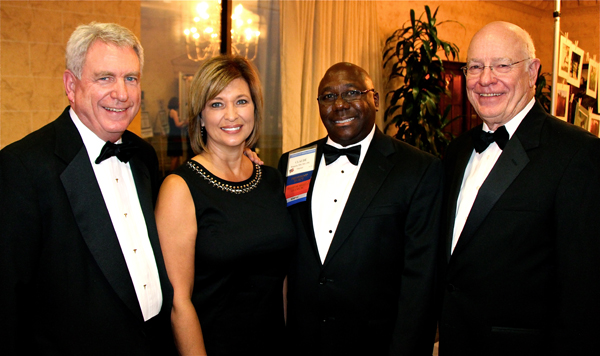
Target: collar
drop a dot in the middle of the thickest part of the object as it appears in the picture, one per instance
(513, 124)
(93, 144)
(364, 144)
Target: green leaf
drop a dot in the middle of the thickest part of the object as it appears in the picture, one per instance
(414, 104)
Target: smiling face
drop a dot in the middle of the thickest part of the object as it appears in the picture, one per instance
(348, 122)
(108, 95)
(229, 117)
(497, 98)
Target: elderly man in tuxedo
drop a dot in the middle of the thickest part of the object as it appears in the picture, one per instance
(81, 266)
(521, 273)
(366, 208)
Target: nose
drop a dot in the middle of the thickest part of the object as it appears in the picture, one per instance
(120, 91)
(230, 113)
(340, 102)
(487, 77)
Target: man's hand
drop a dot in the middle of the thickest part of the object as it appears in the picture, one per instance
(253, 156)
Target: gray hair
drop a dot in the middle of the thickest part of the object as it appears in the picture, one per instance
(85, 35)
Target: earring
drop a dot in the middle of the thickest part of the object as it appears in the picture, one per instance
(203, 133)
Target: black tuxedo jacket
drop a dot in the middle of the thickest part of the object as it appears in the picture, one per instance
(524, 278)
(374, 293)
(66, 289)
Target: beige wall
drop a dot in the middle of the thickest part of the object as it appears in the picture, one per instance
(581, 19)
(33, 36)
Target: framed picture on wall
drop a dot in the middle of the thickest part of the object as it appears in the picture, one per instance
(576, 65)
(564, 58)
(594, 125)
(562, 101)
(592, 79)
(581, 117)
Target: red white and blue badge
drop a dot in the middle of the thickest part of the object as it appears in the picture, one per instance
(301, 165)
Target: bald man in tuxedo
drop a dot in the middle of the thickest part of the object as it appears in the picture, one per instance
(520, 269)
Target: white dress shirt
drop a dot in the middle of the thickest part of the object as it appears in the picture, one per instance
(479, 167)
(120, 196)
(333, 184)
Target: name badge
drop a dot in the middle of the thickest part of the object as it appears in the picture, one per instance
(301, 165)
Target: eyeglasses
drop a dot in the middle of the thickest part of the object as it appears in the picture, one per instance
(474, 69)
(348, 96)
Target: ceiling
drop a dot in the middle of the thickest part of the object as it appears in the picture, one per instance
(564, 4)
(540, 4)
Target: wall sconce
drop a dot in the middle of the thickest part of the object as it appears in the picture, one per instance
(203, 38)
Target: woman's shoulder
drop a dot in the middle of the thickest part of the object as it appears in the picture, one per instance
(174, 181)
(175, 190)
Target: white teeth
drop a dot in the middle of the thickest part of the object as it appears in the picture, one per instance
(344, 121)
(492, 94)
(115, 110)
(231, 128)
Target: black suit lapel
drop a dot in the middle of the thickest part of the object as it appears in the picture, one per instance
(92, 215)
(306, 209)
(456, 176)
(143, 185)
(373, 171)
(511, 162)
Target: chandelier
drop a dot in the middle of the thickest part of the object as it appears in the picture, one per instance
(203, 38)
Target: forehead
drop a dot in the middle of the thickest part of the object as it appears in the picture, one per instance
(495, 44)
(236, 85)
(110, 57)
(343, 77)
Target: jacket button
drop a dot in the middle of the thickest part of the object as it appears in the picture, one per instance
(451, 288)
(322, 280)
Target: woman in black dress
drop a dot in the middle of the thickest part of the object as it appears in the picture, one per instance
(223, 224)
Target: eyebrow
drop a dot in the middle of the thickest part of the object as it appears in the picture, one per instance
(218, 97)
(492, 59)
(346, 86)
(112, 74)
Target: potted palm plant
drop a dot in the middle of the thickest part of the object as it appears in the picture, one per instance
(543, 90)
(415, 71)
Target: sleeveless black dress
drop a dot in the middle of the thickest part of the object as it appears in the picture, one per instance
(243, 247)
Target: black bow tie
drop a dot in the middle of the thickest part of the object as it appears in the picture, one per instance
(332, 154)
(482, 139)
(124, 151)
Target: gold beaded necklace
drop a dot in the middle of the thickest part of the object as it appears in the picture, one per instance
(236, 189)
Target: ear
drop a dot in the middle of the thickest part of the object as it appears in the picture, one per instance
(69, 81)
(533, 69)
(376, 100)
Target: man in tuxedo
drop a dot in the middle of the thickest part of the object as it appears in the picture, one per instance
(521, 274)
(362, 279)
(81, 266)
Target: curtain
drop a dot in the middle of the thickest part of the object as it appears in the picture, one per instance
(314, 36)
